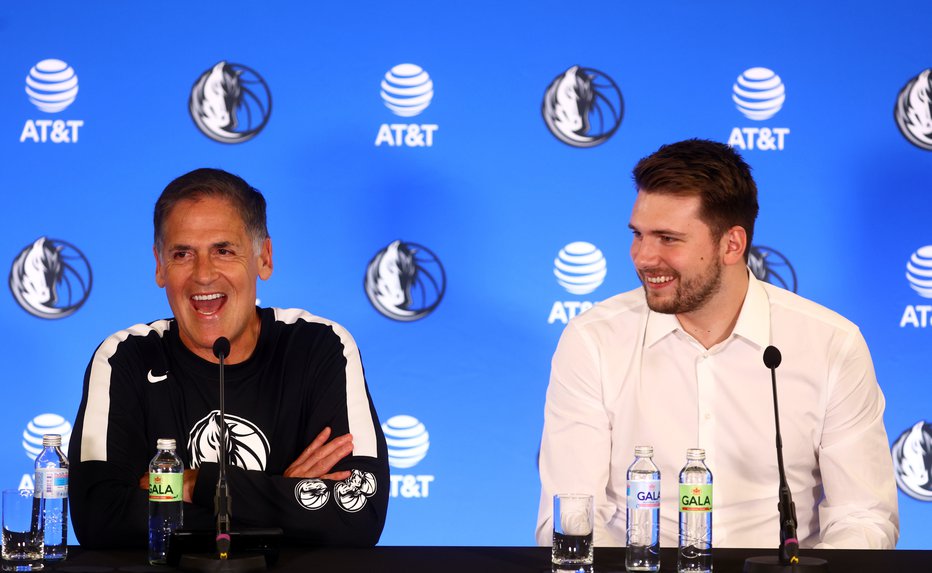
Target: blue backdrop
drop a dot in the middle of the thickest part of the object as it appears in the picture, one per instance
(535, 114)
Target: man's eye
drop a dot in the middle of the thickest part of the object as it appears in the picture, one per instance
(224, 252)
(178, 255)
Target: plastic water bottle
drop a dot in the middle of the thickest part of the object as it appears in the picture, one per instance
(643, 527)
(166, 485)
(51, 492)
(695, 545)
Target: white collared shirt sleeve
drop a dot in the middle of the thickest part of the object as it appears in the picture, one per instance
(577, 442)
(860, 505)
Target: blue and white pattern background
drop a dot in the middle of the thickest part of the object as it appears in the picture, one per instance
(494, 196)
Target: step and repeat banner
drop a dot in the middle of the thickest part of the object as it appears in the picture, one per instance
(485, 149)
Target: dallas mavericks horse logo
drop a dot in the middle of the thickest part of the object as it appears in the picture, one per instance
(913, 110)
(50, 278)
(405, 281)
(771, 266)
(912, 461)
(351, 493)
(247, 446)
(312, 493)
(582, 107)
(230, 103)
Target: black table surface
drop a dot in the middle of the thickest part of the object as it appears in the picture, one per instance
(492, 560)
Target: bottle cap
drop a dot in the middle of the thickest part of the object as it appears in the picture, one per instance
(695, 454)
(165, 444)
(51, 440)
(644, 451)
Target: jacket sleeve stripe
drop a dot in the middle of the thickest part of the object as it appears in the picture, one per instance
(361, 424)
(97, 411)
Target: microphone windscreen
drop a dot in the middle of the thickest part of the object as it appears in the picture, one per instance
(772, 357)
(222, 347)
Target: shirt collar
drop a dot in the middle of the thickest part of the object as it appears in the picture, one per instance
(753, 321)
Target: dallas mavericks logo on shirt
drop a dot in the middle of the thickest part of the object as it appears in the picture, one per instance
(230, 103)
(350, 494)
(912, 461)
(50, 278)
(312, 493)
(247, 446)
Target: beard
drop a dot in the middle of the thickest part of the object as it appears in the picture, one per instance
(691, 293)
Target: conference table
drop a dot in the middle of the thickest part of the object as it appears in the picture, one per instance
(396, 559)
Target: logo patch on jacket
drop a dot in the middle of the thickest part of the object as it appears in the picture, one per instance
(247, 446)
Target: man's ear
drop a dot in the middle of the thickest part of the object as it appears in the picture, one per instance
(734, 245)
(265, 259)
(159, 271)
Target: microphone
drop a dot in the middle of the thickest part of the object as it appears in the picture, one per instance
(789, 545)
(788, 558)
(222, 348)
(222, 495)
(221, 562)
(772, 357)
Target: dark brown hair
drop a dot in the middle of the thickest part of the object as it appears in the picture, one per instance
(710, 170)
(207, 182)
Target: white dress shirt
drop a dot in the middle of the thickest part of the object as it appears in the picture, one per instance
(624, 376)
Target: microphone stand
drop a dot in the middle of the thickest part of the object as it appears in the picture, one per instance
(787, 558)
(222, 562)
(222, 496)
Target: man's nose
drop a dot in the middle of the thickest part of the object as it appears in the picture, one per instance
(204, 269)
(643, 253)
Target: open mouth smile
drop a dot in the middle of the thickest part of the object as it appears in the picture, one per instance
(208, 304)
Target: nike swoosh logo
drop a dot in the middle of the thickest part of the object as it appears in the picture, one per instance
(155, 379)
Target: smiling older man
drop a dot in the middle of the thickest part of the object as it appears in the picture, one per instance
(293, 380)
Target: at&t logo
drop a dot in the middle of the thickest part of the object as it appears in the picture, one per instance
(582, 107)
(919, 276)
(230, 103)
(50, 278)
(41, 425)
(580, 268)
(408, 442)
(407, 90)
(913, 110)
(758, 94)
(32, 440)
(405, 281)
(52, 86)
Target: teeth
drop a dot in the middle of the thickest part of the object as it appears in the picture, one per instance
(658, 280)
(207, 296)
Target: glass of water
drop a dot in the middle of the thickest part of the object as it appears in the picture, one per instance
(573, 519)
(22, 531)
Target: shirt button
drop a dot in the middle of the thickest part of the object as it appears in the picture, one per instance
(708, 416)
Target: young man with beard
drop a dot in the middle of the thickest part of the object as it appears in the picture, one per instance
(678, 364)
(305, 452)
